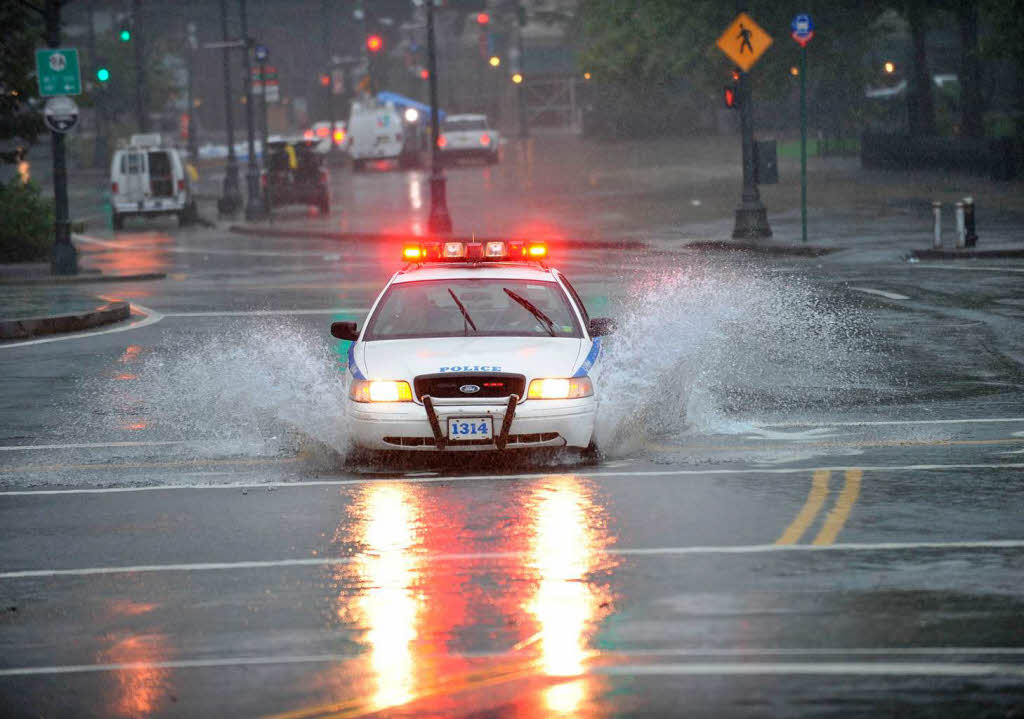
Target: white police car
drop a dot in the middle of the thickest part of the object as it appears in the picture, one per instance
(474, 346)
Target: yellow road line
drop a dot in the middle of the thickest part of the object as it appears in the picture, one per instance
(446, 685)
(815, 500)
(836, 518)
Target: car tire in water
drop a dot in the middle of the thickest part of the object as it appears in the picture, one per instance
(117, 220)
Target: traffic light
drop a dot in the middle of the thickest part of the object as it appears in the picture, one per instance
(483, 18)
(103, 74)
(730, 93)
(325, 80)
(374, 43)
(126, 32)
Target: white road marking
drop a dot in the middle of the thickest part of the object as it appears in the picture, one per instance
(881, 293)
(812, 668)
(894, 422)
(89, 445)
(623, 654)
(969, 268)
(518, 556)
(269, 313)
(303, 484)
(152, 317)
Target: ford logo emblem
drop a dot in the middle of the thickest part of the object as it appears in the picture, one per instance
(469, 389)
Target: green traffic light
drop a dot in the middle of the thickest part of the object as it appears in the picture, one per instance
(126, 35)
(103, 74)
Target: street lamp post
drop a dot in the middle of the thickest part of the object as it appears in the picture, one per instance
(193, 145)
(439, 221)
(524, 128)
(751, 216)
(231, 197)
(254, 208)
(64, 260)
(333, 153)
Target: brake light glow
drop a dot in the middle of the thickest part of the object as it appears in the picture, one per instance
(307, 135)
(339, 136)
(442, 141)
(323, 131)
(181, 185)
(485, 140)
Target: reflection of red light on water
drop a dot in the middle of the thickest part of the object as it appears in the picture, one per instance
(131, 353)
(126, 376)
(135, 426)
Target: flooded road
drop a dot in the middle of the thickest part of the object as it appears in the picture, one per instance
(808, 499)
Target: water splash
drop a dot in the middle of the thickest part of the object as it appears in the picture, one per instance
(242, 387)
(711, 348)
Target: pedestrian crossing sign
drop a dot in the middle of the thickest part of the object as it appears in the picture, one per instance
(744, 41)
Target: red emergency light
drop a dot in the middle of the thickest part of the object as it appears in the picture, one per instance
(473, 251)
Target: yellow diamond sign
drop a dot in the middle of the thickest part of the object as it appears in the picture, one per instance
(744, 41)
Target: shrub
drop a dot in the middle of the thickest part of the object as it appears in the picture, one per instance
(26, 223)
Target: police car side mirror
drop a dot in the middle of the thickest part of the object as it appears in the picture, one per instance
(345, 331)
(600, 326)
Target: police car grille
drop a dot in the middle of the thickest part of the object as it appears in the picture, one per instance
(451, 385)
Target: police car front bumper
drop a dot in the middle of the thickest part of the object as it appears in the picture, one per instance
(535, 423)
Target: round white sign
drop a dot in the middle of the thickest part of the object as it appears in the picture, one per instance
(60, 113)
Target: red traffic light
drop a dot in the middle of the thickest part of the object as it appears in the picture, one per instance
(483, 18)
(730, 96)
(425, 74)
(374, 43)
(325, 80)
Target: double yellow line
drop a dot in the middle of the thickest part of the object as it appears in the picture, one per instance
(837, 516)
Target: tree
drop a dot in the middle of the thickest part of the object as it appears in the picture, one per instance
(920, 102)
(18, 117)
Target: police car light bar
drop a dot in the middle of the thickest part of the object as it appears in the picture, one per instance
(458, 251)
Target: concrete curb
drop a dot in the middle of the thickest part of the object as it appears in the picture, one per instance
(761, 248)
(965, 254)
(390, 237)
(54, 324)
(80, 279)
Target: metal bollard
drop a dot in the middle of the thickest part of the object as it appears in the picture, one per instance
(972, 236)
(937, 214)
(961, 231)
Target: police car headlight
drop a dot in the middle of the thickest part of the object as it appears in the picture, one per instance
(380, 390)
(558, 388)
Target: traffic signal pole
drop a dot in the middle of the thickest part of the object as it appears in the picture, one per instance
(333, 155)
(140, 67)
(64, 260)
(231, 197)
(751, 216)
(439, 221)
(254, 208)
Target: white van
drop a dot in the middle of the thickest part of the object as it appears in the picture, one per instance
(375, 132)
(149, 179)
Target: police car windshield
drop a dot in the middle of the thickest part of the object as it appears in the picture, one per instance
(411, 310)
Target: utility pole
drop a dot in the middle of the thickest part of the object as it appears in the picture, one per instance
(326, 25)
(64, 260)
(193, 44)
(254, 209)
(439, 221)
(141, 121)
(524, 129)
(231, 197)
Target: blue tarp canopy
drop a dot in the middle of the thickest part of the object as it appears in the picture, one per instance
(401, 101)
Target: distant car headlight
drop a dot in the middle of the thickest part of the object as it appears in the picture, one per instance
(380, 390)
(559, 388)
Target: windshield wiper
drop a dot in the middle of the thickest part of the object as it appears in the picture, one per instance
(546, 321)
(465, 314)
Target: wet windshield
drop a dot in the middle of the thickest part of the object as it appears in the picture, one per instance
(464, 125)
(455, 308)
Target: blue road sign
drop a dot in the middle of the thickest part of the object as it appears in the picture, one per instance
(803, 28)
(261, 53)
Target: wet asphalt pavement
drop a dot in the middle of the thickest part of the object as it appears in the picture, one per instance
(809, 502)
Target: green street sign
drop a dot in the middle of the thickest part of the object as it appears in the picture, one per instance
(58, 72)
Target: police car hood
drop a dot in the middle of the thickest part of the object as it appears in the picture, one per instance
(532, 357)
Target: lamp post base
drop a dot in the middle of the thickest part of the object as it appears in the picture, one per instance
(751, 222)
(64, 260)
(439, 222)
(231, 197)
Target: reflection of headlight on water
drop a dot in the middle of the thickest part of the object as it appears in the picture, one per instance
(412, 115)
